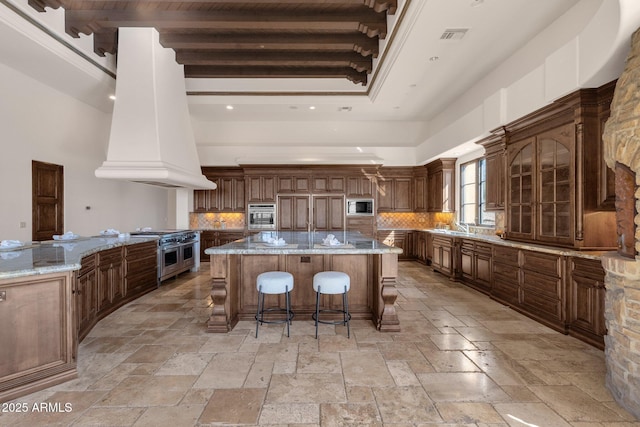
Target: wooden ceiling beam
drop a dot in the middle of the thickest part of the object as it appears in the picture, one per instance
(89, 21)
(278, 59)
(355, 42)
(389, 6)
(207, 71)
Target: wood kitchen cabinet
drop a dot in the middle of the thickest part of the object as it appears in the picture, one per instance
(293, 213)
(211, 238)
(420, 189)
(360, 186)
(495, 149)
(506, 275)
(586, 300)
(441, 185)
(328, 184)
(399, 239)
(365, 225)
(86, 301)
(554, 175)
(542, 288)
(475, 264)
(395, 190)
(420, 243)
(110, 282)
(140, 268)
(38, 337)
(530, 282)
(328, 213)
(444, 257)
(293, 184)
(229, 196)
(261, 189)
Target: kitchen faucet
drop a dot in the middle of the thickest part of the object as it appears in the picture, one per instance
(462, 227)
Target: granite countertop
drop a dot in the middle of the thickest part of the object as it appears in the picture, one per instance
(59, 256)
(520, 245)
(299, 242)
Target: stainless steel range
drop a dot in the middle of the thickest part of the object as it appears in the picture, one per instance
(178, 251)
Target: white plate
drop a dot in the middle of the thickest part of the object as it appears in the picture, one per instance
(65, 239)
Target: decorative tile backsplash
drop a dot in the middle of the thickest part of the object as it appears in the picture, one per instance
(211, 220)
(410, 220)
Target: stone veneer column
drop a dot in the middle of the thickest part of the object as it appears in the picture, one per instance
(622, 281)
(622, 342)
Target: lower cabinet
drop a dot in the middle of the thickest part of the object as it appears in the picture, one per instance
(37, 337)
(475, 264)
(109, 279)
(443, 259)
(420, 248)
(399, 239)
(211, 238)
(565, 293)
(585, 301)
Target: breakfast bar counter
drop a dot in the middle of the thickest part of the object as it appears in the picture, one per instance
(371, 265)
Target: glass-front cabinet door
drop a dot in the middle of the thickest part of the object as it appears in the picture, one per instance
(521, 169)
(540, 193)
(554, 183)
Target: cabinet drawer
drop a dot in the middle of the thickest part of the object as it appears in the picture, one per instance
(467, 246)
(505, 271)
(88, 263)
(543, 263)
(109, 256)
(505, 255)
(540, 284)
(480, 247)
(589, 268)
(505, 291)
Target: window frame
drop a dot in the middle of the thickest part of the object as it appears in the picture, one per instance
(480, 191)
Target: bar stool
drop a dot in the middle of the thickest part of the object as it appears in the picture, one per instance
(332, 283)
(274, 282)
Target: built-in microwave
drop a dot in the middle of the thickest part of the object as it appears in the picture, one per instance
(362, 207)
(262, 217)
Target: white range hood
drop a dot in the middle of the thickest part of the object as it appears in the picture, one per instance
(151, 138)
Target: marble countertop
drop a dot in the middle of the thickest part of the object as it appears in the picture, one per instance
(298, 242)
(520, 245)
(59, 256)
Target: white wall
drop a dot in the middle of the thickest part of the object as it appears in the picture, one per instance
(40, 123)
(584, 48)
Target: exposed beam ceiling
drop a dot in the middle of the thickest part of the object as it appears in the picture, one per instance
(233, 38)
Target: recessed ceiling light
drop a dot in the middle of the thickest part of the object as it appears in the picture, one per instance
(413, 85)
(312, 107)
(229, 107)
(293, 107)
(112, 97)
(475, 3)
(434, 58)
(345, 109)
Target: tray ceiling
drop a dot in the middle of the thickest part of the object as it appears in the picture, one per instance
(245, 39)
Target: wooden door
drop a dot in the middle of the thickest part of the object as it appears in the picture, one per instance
(47, 194)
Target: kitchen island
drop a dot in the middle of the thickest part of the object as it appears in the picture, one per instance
(53, 293)
(371, 265)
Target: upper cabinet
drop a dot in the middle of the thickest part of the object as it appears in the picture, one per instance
(556, 183)
(495, 149)
(360, 186)
(420, 185)
(441, 190)
(395, 190)
(229, 196)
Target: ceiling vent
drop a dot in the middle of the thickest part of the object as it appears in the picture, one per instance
(453, 33)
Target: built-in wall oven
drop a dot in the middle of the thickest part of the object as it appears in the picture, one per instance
(262, 216)
(178, 251)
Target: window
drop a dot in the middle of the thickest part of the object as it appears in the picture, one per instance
(473, 194)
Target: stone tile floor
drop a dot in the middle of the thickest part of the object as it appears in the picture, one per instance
(460, 360)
